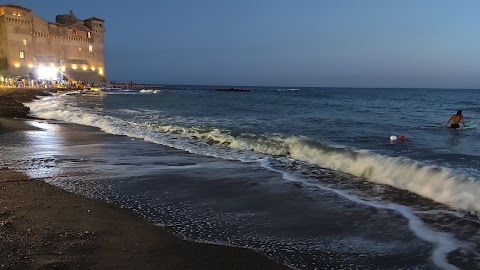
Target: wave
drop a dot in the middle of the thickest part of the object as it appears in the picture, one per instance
(444, 243)
(288, 89)
(150, 91)
(440, 184)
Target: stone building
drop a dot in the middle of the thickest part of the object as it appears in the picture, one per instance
(69, 48)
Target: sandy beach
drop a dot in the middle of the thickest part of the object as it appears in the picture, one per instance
(45, 227)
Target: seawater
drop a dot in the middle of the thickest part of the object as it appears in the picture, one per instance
(312, 177)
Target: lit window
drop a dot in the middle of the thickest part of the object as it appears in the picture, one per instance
(79, 49)
(24, 41)
(89, 34)
(74, 66)
(22, 55)
(90, 48)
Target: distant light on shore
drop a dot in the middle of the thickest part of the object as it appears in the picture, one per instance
(47, 72)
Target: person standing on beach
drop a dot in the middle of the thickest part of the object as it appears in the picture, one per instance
(456, 119)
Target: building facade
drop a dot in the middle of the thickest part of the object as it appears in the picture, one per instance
(69, 48)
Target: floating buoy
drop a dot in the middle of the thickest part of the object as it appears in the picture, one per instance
(393, 138)
(402, 138)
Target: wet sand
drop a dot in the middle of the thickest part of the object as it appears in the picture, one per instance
(46, 227)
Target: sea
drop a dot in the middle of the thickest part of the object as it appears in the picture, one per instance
(306, 176)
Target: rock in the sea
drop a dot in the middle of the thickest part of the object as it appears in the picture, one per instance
(11, 108)
(11, 100)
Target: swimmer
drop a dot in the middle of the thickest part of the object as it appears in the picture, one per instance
(456, 119)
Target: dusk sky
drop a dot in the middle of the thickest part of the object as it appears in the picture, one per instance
(368, 43)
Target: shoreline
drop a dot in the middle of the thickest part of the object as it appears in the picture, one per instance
(44, 227)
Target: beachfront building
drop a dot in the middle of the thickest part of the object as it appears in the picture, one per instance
(39, 50)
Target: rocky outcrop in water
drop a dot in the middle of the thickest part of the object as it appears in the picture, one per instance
(11, 108)
(11, 101)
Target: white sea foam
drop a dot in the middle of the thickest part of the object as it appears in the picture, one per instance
(439, 184)
(150, 91)
(443, 242)
(146, 91)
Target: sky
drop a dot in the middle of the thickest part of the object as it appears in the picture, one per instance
(322, 43)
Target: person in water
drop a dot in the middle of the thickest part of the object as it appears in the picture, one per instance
(456, 119)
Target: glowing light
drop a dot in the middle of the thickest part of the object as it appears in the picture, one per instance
(84, 67)
(17, 65)
(74, 66)
(62, 68)
(47, 73)
(30, 65)
(100, 71)
(92, 68)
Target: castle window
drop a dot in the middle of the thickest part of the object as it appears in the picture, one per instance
(89, 34)
(79, 49)
(24, 41)
(90, 48)
(22, 55)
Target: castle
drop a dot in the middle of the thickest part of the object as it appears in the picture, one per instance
(69, 48)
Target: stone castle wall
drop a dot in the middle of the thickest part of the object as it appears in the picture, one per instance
(28, 41)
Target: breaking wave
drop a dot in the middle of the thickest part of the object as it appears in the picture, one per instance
(440, 184)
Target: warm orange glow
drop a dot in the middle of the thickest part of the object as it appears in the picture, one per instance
(92, 68)
(100, 71)
(30, 65)
(17, 65)
(84, 67)
(74, 66)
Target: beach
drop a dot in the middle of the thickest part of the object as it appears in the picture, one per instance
(46, 227)
(274, 183)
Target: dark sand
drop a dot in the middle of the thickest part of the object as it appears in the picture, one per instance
(45, 227)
